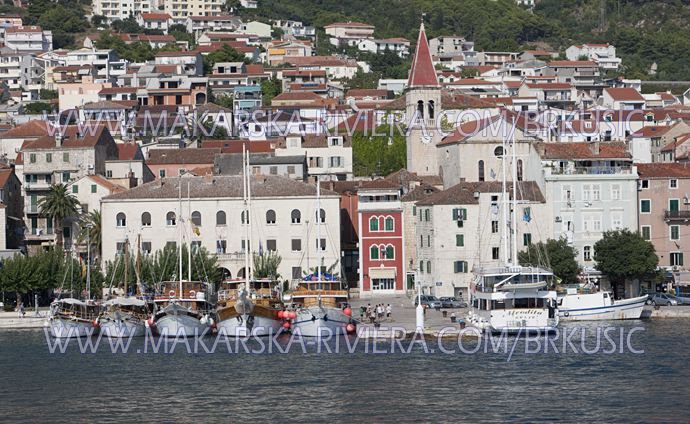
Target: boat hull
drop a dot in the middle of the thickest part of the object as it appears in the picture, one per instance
(620, 310)
(123, 327)
(318, 321)
(245, 325)
(62, 328)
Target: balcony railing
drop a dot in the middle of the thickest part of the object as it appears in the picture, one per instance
(677, 215)
(593, 170)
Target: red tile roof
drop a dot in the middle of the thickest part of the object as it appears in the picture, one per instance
(571, 63)
(549, 86)
(31, 129)
(73, 137)
(155, 16)
(584, 150)
(5, 174)
(624, 94)
(652, 131)
(235, 146)
(663, 170)
(127, 151)
(422, 73)
(182, 156)
(349, 24)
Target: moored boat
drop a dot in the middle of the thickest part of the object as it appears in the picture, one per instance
(576, 305)
(248, 311)
(181, 309)
(321, 307)
(124, 317)
(70, 318)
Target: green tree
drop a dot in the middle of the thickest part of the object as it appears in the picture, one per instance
(90, 230)
(45, 94)
(128, 25)
(269, 89)
(557, 255)
(37, 108)
(623, 255)
(266, 265)
(378, 153)
(57, 205)
(363, 79)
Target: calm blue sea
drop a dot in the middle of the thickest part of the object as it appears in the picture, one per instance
(363, 386)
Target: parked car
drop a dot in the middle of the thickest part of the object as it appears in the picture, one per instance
(663, 299)
(451, 302)
(428, 301)
(683, 299)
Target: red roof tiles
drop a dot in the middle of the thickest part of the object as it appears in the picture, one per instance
(422, 73)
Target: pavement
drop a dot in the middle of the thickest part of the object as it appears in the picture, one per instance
(11, 320)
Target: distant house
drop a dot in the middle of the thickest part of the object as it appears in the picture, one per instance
(156, 21)
(622, 99)
(349, 33)
(603, 55)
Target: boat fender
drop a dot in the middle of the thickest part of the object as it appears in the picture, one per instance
(566, 314)
(313, 318)
(171, 293)
(325, 317)
(192, 294)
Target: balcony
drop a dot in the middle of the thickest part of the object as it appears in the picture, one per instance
(677, 215)
(592, 170)
(230, 257)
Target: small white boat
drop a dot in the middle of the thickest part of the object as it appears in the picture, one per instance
(184, 311)
(574, 306)
(69, 318)
(124, 317)
(321, 321)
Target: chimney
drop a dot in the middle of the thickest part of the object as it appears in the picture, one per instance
(58, 138)
(594, 147)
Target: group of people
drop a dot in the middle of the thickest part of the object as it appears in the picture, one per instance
(376, 313)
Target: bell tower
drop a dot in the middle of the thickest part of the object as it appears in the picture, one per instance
(422, 109)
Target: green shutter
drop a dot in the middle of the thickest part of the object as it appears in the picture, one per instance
(455, 214)
(75, 189)
(459, 240)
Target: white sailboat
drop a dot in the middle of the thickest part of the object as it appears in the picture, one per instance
(248, 307)
(512, 298)
(320, 300)
(181, 307)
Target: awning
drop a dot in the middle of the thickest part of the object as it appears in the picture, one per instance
(682, 278)
(381, 273)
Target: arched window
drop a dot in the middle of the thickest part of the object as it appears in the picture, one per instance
(480, 168)
(196, 218)
(428, 267)
(420, 109)
(374, 252)
(171, 218)
(519, 170)
(270, 216)
(245, 220)
(390, 252)
(220, 218)
(430, 109)
(121, 220)
(296, 216)
(323, 216)
(373, 223)
(145, 219)
(390, 223)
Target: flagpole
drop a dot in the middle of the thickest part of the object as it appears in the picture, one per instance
(189, 248)
(249, 216)
(514, 217)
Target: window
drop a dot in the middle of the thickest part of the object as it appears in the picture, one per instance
(323, 216)
(675, 232)
(673, 205)
(494, 227)
(220, 218)
(519, 170)
(459, 214)
(146, 248)
(373, 223)
(586, 188)
(428, 241)
(676, 259)
(49, 157)
(615, 192)
(645, 206)
(428, 267)
(65, 157)
(296, 245)
(596, 192)
(66, 232)
(119, 248)
(426, 215)
(566, 193)
(587, 253)
(374, 252)
(616, 221)
(421, 241)
(94, 188)
(390, 252)
(420, 109)
(121, 220)
(526, 239)
(460, 266)
(480, 169)
(495, 253)
(65, 177)
(270, 216)
(646, 232)
(146, 219)
(321, 245)
(390, 223)
(221, 246)
(245, 219)
(414, 210)
(32, 157)
(296, 216)
(196, 218)
(430, 108)
(291, 169)
(673, 183)
(172, 245)
(161, 173)
(459, 240)
(170, 219)
(644, 184)
(271, 245)
(109, 174)
(527, 214)
(75, 189)
(296, 273)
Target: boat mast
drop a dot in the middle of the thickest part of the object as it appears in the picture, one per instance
(504, 196)
(513, 219)
(138, 265)
(249, 221)
(179, 225)
(246, 217)
(189, 248)
(88, 265)
(318, 229)
(126, 263)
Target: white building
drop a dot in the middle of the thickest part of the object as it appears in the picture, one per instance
(399, 46)
(156, 21)
(328, 157)
(283, 216)
(28, 39)
(603, 54)
(115, 10)
(349, 33)
(180, 10)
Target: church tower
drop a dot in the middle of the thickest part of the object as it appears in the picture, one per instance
(423, 106)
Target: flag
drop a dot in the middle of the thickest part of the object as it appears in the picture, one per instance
(197, 231)
(261, 249)
(526, 216)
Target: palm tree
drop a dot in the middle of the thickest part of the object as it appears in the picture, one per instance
(58, 205)
(266, 265)
(90, 230)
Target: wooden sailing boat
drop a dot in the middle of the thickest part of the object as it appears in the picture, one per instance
(320, 300)
(248, 306)
(125, 316)
(181, 307)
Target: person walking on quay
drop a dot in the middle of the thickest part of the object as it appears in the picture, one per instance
(372, 315)
(389, 310)
(21, 310)
(379, 311)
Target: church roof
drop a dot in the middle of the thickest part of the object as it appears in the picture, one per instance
(422, 73)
